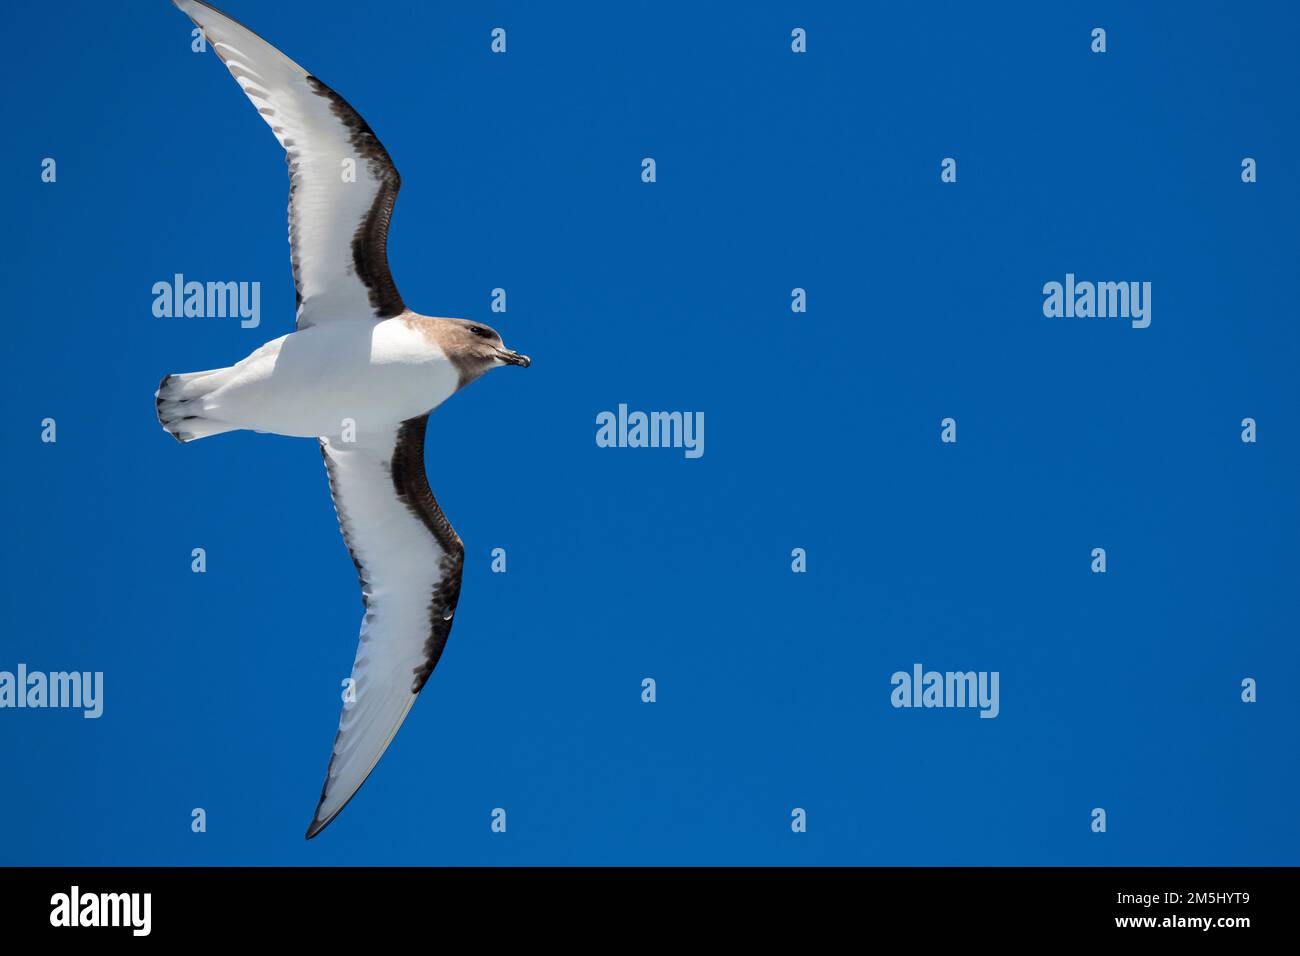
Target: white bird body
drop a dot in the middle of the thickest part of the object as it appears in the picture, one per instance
(317, 381)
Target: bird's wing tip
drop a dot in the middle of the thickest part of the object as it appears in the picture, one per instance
(317, 824)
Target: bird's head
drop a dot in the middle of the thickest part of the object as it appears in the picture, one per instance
(475, 348)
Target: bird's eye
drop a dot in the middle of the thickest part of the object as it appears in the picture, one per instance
(480, 331)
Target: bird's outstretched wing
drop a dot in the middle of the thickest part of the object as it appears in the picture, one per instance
(409, 560)
(342, 185)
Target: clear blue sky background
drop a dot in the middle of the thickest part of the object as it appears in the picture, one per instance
(1119, 691)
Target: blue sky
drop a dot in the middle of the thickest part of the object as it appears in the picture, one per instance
(774, 171)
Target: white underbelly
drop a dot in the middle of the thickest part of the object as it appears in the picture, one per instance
(326, 379)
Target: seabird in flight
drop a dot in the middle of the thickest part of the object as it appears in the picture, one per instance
(360, 374)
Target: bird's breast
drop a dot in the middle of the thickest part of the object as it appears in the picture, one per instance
(410, 368)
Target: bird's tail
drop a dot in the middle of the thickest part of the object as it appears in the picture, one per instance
(180, 404)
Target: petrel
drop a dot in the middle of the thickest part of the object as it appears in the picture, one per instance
(361, 373)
